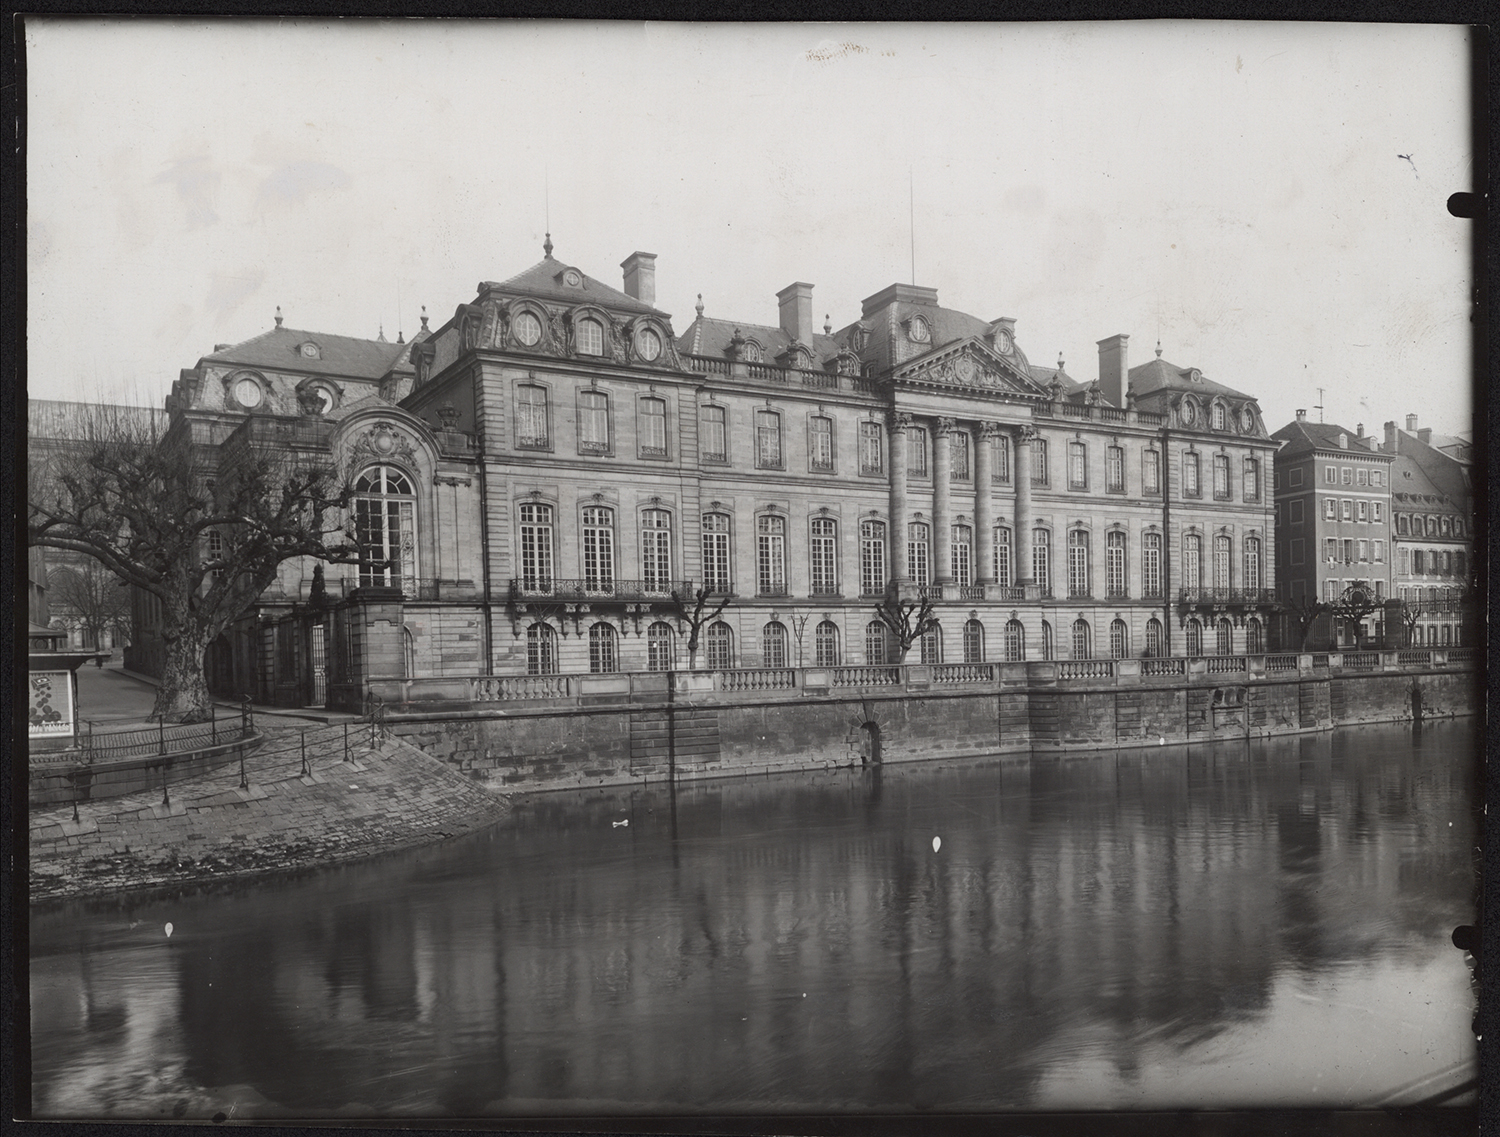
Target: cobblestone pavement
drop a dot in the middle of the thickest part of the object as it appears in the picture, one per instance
(385, 797)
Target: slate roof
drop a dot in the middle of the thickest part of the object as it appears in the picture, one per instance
(1158, 375)
(1302, 437)
(709, 336)
(346, 356)
(543, 280)
(1073, 389)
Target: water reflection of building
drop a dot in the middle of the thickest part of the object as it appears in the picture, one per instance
(1075, 907)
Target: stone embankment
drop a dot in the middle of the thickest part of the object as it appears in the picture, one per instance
(381, 798)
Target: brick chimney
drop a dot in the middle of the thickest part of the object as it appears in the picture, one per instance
(640, 277)
(1391, 446)
(1411, 424)
(1114, 368)
(796, 312)
(1424, 436)
(1359, 430)
(1301, 414)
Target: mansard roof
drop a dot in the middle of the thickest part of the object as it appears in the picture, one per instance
(545, 280)
(709, 336)
(1159, 375)
(281, 349)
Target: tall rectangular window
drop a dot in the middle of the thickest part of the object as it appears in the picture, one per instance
(1222, 546)
(1377, 513)
(531, 416)
(1003, 558)
(536, 547)
(1377, 550)
(963, 555)
(917, 561)
(916, 451)
(770, 555)
(820, 444)
(1191, 484)
(1192, 561)
(1078, 564)
(593, 422)
(714, 444)
(823, 558)
(871, 448)
(1252, 479)
(1041, 559)
(768, 440)
(1330, 549)
(1252, 581)
(1151, 565)
(1000, 459)
(1114, 469)
(1114, 564)
(656, 550)
(1330, 509)
(958, 442)
(1151, 471)
(652, 424)
(1039, 462)
(1078, 466)
(1221, 477)
(1348, 509)
(871, 558)
(1294, 512)
(1362, 477)
(599, 548)
(716, 552)
(1362, 511)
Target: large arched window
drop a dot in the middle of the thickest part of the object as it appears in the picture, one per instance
(718, 646)
(1015, 641)
(1119, 639)
(963, 555)
(773, 644)
(877, 639)
(917, 562)
(1255, 636)
(385, 527)
(716, 552)
(1153, 638)
(656, 550)
(599, 549)
(1083, 647)
(932, 645)
(871, 558)
(590, 336)
(770, 555)
(826, 644)
(1004, 560)
(602, 654)
(822, 563)
(541, 650)
(1224, 637)
(660, 641)
(1192, 561)
(1194, 636)
(536, 547)
(973, 642)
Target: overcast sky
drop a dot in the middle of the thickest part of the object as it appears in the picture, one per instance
(1268, 199)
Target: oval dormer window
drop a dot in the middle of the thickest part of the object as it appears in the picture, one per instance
(647, 343)
(248, 393)
(528, 329)
(920, 333)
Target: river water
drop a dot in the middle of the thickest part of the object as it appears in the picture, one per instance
(1234, 925)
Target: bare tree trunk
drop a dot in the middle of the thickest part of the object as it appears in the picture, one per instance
(183, 694)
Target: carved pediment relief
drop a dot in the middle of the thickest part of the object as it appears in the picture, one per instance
(970, 366)
(382, 442)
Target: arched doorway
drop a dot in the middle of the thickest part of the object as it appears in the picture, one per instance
(869, 748)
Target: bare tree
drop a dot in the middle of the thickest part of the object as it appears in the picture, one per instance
(203, 530)
(907, 618)
(1355, 603)
(697, 609)
(97, 599)
(1306, 610)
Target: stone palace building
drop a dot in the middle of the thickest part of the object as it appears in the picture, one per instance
(537, 475)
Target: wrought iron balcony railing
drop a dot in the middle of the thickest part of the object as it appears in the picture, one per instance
(596, 590)
(1226, 596)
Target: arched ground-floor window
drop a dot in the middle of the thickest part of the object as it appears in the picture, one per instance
(1153, 637)
(1224, 635)
(1082, 639)
(773, 644)
(826, 644)
(877, 644)
(718, 646)
(1119, 639)
(1255, 636)
(1194, 635)
(932, 645)
(603, 656)
(973, 642)
(541, 650)
(659, 647)
(1015, 642)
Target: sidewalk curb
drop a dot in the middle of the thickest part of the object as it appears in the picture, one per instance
(326, 718)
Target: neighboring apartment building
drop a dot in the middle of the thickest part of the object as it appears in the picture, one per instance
(1333, 510)
(1433, 536)
(540, 472)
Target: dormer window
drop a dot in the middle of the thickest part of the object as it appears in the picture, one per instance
(647, 344)
(573, 278)
(590, 337)
(528, 329)
(753, 352)
(309, 350)
(918, 330)
(1220, 417)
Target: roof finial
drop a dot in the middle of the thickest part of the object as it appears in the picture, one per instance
(827, 324)
(278, 315)
(1059, 361)
(1158, 349)
(699, 306)
(381, 337)
(424, 317)
(547, 246)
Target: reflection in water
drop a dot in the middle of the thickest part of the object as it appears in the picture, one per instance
(1226, 925)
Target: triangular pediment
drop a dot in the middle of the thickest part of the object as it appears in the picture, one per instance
(971, 365)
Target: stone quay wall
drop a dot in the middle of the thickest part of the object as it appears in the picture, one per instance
(714, 733)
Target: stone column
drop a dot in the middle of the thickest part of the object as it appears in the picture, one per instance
(896, 544)
(984, 504)
(942, 500)
(1025, 436)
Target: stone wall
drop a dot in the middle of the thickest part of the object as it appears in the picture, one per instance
(537, 749)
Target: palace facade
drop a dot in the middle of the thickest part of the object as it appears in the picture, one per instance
(538, 475)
